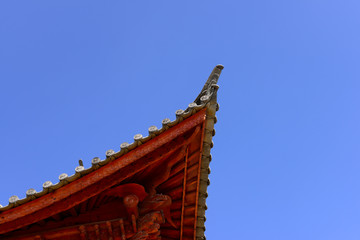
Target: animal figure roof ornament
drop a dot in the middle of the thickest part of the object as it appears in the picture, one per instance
(158, 184)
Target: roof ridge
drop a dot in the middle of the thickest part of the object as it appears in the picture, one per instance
(206, 99)
(110, 155)
(210, 85)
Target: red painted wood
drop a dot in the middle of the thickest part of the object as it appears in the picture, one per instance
(96, 182)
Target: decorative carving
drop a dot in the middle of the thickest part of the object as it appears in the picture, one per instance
(126, 212)
(149, 226)
(210, 86)
(145, 212)
(158, 202)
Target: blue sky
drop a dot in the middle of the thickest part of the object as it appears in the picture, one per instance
(80, 77)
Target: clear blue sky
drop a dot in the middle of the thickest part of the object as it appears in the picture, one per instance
(81, 77)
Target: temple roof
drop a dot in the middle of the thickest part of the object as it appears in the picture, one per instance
(206, 100)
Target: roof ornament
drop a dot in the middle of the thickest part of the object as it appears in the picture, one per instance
(109, 153)
(152, 131)
(47, 186)
(210, 88)
(81, 162)
(79, 169)
(31, 193)
(13, 199)
(138, 139)
(63, 178)
(95, 162)
(165, 123)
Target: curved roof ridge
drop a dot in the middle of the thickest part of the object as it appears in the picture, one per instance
(206, 99)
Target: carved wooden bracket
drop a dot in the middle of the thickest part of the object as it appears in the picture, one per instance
(144, 212)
